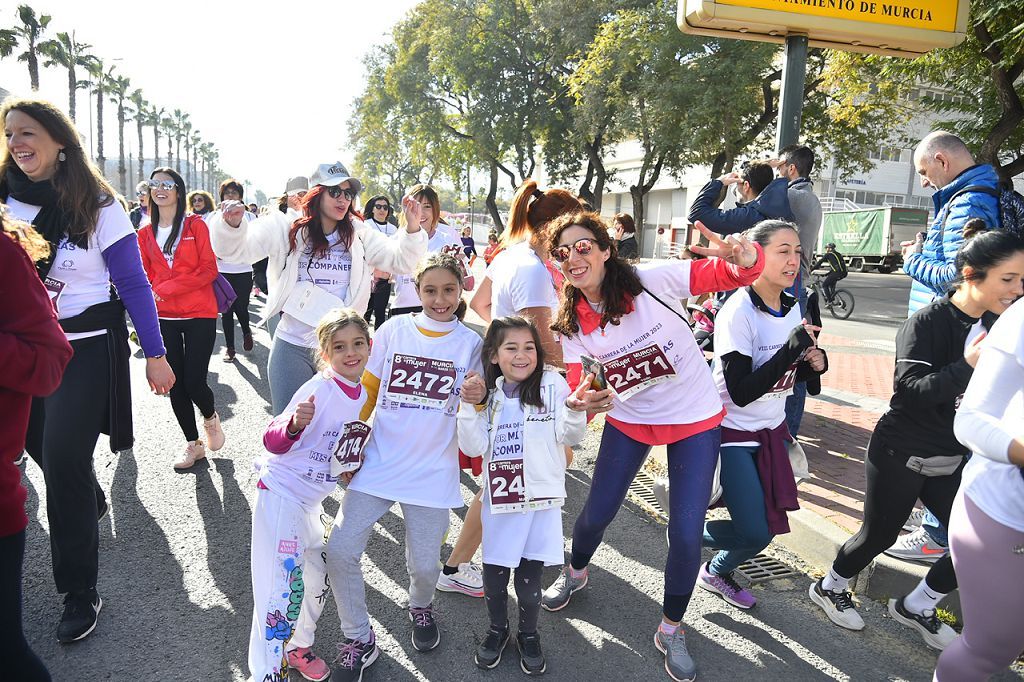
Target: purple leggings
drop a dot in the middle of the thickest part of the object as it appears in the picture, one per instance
(989, 562)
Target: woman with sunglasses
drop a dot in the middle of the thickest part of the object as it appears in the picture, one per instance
(629, 318)
(380, 220)
(321, 261)
(46, 179)
(181, 267)
(199, 202)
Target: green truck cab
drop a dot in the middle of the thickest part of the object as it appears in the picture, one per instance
(870, 237)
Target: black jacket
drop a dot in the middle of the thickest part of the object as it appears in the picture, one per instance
(931, 376)
(627, 247)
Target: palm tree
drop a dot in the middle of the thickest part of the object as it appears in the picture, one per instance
(67, 52)
(100, 78)
(182, 126)
(156, 119)
(8, 41)
(186, 136)
(118, 89)
(192, 143)
(31, 31)
(204, 155)
(140, 114)
(170, 130)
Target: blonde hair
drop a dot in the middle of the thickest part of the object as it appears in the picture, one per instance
(24, 235)
(332, 323)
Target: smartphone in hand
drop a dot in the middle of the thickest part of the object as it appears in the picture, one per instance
(592, 366)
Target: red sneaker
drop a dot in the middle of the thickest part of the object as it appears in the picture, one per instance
(309, 665)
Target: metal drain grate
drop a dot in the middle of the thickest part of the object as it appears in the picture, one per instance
(762, 568)
(641, 491)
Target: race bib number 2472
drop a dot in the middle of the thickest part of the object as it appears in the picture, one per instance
(421, 381)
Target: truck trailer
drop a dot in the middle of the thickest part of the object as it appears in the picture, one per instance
(870, 237)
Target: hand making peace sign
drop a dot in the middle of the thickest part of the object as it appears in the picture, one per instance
(735, 249)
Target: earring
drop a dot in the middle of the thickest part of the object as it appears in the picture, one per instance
(62, 156)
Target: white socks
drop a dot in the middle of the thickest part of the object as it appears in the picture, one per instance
(922, 599)
(833, 582)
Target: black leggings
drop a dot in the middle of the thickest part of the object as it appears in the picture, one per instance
(242, 284)
(19, 661)
(378, 305)
(527, 582)
(829, 284)
(892, 490)
(189, 346)
(62, 432)
(259, 275)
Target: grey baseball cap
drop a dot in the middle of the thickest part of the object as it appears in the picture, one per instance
(296, 184)
(332, 174)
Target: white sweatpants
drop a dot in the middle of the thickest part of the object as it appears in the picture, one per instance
(289, 581)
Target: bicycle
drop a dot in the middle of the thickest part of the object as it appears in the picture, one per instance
(840, 305)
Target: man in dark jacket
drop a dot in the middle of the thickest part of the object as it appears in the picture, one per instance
(837, 270)
(758, 197)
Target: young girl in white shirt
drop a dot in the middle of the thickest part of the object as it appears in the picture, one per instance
(289, 575)
(413, 379)
(528, 416)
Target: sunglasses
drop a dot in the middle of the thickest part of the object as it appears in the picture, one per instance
(166, 185)
(380, 207)
(336, 192)
(581, 246)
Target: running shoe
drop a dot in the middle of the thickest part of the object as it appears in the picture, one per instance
(309, 665)
(247, 343)
(214, 432)
(20, 459)
(917, 546)
(725, 587)
(102, 509)
(936, 634)
(556, 597)
(467, 580)
(81, 612)
(838, 606)
(531, 658)
(193, 453)
(915, 520)
(229, 355)
(488, 654)
(425, 633)
(678, 663)
(353, 658)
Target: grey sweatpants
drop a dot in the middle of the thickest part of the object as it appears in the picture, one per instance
(289, 367)
(424, 531)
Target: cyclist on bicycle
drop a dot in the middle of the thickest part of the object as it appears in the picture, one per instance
(837, 270)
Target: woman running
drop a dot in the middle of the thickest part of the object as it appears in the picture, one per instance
(181, 267)
(913, 453)
(629, 318)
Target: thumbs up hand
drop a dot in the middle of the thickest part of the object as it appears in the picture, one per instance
(303, 415)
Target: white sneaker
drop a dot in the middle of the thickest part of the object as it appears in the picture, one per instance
(838, 606)
(468, 580)
(214, 433)
(936, 634)
(193, 453)
(915, 520)
(917, 546)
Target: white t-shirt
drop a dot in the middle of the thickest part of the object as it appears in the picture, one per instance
(161, 235)
(510, 537)
(653, 354)
(997, 486)
(519, 280)
(413, 454)
(303, 473)
(79, 278)
(386, 229)
(405, 285)
(331, 273)
(740, 327)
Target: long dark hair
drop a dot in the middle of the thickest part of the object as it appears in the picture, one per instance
(529, 390)
(983, 250)
(81, 189)
(179, 211)
(620, 278)
(312, 220)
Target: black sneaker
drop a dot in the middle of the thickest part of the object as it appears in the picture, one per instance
(425, 635)
(81, 611)
(353, 658)
(103, 508)
(531, 658)
(488, 654)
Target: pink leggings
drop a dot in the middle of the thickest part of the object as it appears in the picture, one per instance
(989, 562)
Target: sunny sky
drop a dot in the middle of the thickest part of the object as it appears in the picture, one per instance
(271, 84)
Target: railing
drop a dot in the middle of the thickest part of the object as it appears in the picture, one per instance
(832, 204)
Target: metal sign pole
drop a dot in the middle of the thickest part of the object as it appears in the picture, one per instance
(791, 96)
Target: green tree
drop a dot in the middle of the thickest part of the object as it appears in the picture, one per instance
(30, 34)
(139, 112)
(155, 118)
(100, 78)
(170, 128)
(8, 41)
(66, 51)
(118, 88)
(191, 142)
(181, 126)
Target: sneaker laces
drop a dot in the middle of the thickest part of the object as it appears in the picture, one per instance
(841, 600)
(915, 540)
(677, 643)
(730, 582)
(930, 620)
(531, 644)
(349, 652)
(422, 617)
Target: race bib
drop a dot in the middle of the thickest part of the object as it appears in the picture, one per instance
(348, 453)
(784, 386)
(633, 372)
(54, 287)
(507, 490)
(421, 381)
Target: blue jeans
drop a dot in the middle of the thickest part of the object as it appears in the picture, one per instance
(746, 533)
(691, 466)
(795, 402)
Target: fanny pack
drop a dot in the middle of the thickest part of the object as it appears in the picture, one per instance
(308, 303)
(935, 466)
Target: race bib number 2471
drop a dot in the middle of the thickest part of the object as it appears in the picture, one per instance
(632, 372)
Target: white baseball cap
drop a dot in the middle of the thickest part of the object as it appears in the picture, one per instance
(296, 184)
(332, 174)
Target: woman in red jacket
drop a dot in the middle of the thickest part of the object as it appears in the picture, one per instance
(35, 353)
(181, 266)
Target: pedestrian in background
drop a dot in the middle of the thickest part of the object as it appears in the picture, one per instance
(381, 217)
(140, 213)
(625, 236)
(240, 276)
(493, 247)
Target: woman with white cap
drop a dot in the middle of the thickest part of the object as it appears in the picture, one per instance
(323, 260)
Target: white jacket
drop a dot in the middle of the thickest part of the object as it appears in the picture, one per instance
(544, 434)
(267, 237)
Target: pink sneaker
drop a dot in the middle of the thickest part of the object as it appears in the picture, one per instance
(309, 665)
(725, 587)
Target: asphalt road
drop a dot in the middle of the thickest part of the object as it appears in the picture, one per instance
(174, 577)
(880, 307)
